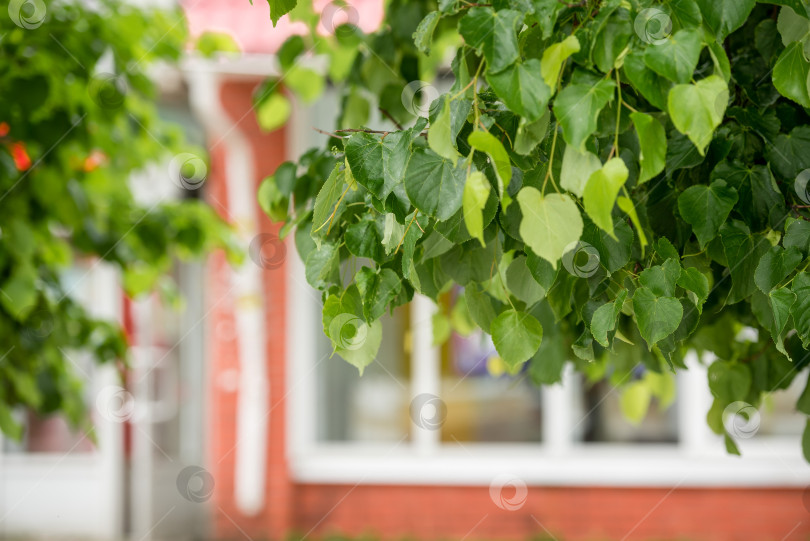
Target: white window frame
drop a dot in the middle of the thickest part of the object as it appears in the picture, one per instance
(698, 459)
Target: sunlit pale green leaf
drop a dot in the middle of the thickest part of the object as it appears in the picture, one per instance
(550, 224)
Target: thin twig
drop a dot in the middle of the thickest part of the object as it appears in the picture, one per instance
(388, 115)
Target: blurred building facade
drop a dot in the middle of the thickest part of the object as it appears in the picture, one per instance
(236, 422)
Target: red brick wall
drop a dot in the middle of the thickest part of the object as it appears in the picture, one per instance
(569, 514)
(457, 513)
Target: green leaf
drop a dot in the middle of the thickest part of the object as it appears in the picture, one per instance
(364, 239)
(474, 199)
(791, 74)
(423, 35)
(782, 301)
(486, 142)
(377, 289)
(722, 66)
(8, 425)
(479, 303)
(695, 282)
(697, 109)
(522, 89)
(627, 205)
(776, 264)
(684, 13)
(706, 208)
(553, 58)
(601, 191)
(604, 318)
(279, 8)
(743, 252)
(434, 184)
(440, 136)
(725, 16)
(613, 253)
(760, 201)
(797, 235)
(550, 224)
(321, 265)
(522, 284)
(652, 139)
(806, 441)
(530, 134)
(652, 86)
(494, 33)
(790, 153)
(676, 57)
(273, 112)
(792, 26)
(19, 294)
(577, 109)
(356, 341)
(542, 271)
(801, 309)
(611, 39)
(327, 197)
(634, 401)
(729, 381)
(577, 168)
(272, 201)
(661, 279)
(657, 317)
(517, 336)
(307, 83)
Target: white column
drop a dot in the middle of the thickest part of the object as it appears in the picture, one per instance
(426, 370)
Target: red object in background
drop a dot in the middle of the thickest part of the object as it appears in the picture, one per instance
(4, 129)
(93, 161)
(20, 156)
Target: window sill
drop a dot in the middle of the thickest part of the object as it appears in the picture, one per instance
(764, 463)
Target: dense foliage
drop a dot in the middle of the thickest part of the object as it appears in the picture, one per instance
(76, 119)
(612, 183)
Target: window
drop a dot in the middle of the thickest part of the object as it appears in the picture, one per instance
(423, 414)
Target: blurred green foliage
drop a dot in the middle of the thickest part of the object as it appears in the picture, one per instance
(77, 118)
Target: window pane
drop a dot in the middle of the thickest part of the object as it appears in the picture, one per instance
(604, 421)
(371, 408)
(484, 404)
(778, 414)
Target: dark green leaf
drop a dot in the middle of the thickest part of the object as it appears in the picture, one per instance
(517, 336)
(706, 208)
(434, 184)
(494, 33)
(522, 89)
(577, 109)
